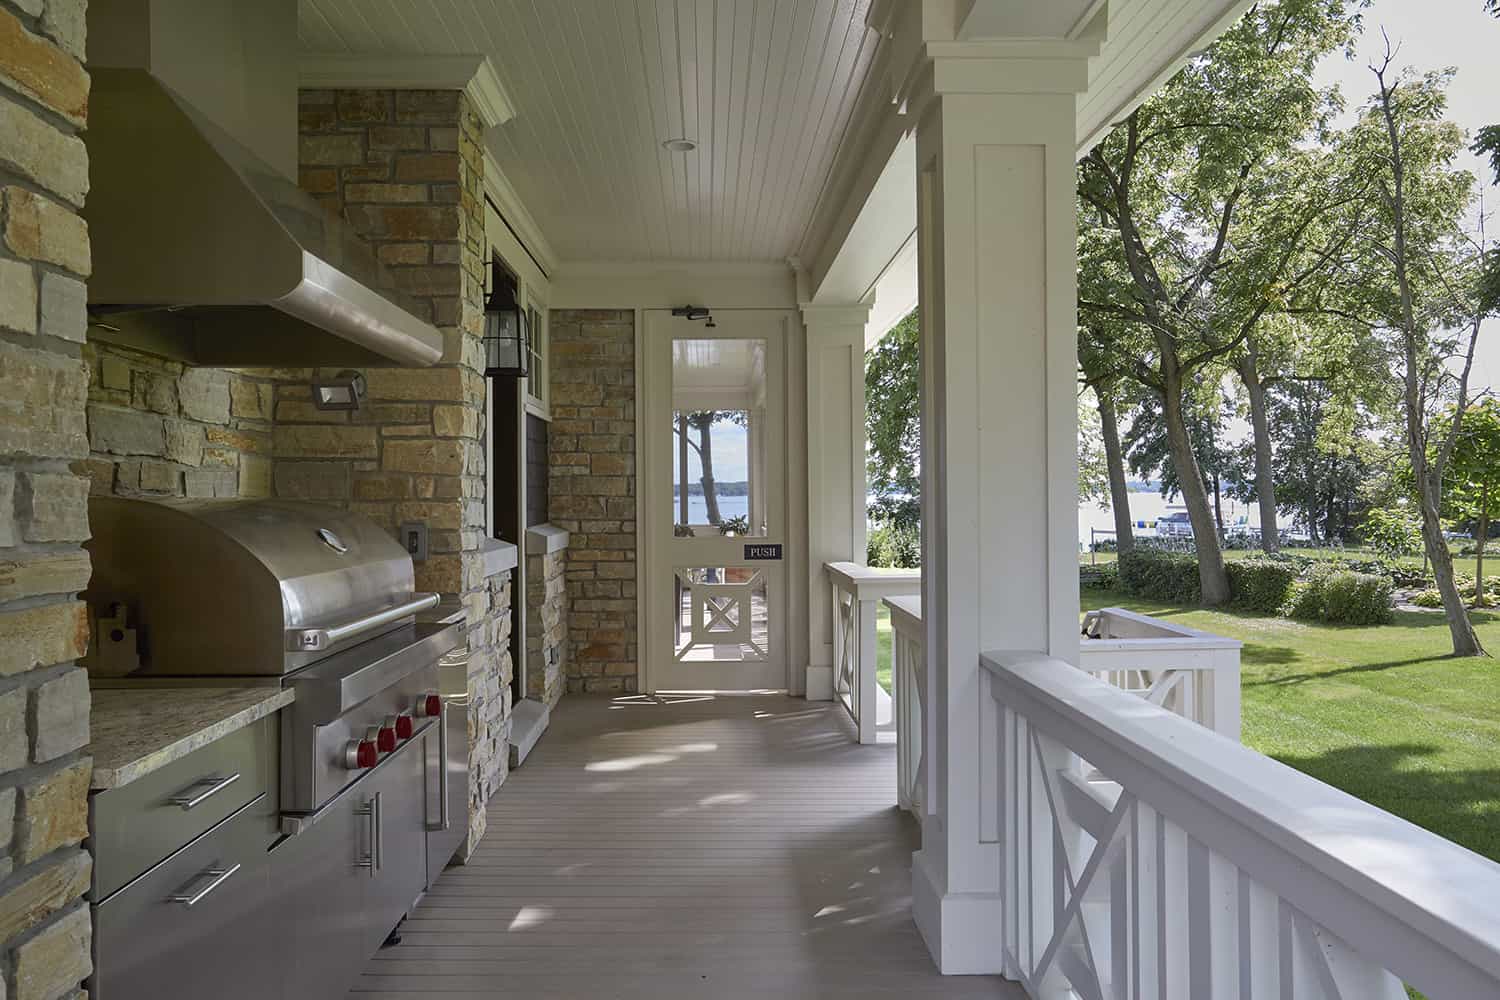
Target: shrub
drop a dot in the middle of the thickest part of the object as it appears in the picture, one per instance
(1356, 599)
(894, 545)
(1343, 597)
(1159, 575)
(1261, 585)
(1105, 576)
(1428, 599)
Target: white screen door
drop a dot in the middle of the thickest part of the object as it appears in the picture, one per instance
(715, 451)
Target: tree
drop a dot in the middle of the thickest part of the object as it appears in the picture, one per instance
(1149, 450)
(1416, 283)
(1323, 456)
(1219, 208)
(1109, 390)
(1472, 491)
(893, 394)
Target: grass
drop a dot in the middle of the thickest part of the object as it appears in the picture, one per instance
(883, 640)
(1382, 712)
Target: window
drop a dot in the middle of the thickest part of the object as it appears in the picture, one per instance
(536, 346)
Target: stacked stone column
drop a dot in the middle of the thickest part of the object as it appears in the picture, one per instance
(44, 697)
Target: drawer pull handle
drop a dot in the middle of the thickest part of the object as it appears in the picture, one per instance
(215, 785)
(216, 877)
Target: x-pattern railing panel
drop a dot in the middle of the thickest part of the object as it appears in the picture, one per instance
(1108, 899)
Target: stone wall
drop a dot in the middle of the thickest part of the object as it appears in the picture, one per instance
(405, 169)
(591, 454)
(44, 698)
(546, 623)
(160, 429)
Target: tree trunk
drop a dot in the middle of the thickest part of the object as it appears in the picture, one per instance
(1260, 426)
(1480, 537)
(1211, 574)
(706, 460)
(1219, 504)
(1114, 459)
(682, 467)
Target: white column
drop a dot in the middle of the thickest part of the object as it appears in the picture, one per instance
(996, 237)
(835, 468)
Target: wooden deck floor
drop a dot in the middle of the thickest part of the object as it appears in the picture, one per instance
(682, 847)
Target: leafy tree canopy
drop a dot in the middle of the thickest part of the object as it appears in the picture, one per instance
(893, 390)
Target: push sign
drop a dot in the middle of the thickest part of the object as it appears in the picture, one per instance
(764, 552)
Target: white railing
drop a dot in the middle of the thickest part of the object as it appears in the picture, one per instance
(856, 592)
(1195, 674)
(908, 685)
(1145, 856)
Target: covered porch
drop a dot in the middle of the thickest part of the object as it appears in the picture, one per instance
(683, 846)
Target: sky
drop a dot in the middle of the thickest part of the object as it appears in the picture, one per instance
(731, 454)
(1436, 34)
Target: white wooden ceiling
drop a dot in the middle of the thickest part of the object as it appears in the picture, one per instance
(765, 87)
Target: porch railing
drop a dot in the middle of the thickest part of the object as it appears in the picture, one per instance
(857, 590)
(1195, 674)
(908, 687)
(1144, 855)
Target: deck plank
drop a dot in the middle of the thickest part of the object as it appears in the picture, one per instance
(682, 847)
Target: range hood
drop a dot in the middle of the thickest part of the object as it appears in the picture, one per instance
(204, 253)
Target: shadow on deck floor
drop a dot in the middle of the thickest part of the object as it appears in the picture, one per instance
(686, 846)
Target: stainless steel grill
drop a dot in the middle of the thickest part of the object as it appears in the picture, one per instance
(312, 597)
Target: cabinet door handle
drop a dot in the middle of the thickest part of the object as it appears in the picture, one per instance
(379, 828)
(212, 785)
(443, 764)
(216, 877)
(371, 810)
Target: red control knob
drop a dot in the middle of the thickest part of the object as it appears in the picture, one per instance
(385, 739)
(430, 706)
(404, 727)
(359, 754)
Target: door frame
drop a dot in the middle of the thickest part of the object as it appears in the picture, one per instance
(651, 524)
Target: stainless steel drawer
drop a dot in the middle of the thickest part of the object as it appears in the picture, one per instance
(137, 825)
(198, 925)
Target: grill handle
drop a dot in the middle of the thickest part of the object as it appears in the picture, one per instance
(313, 640)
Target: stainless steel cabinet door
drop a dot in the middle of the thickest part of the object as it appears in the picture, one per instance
(321, 876)
(395, 792)
(197, 925)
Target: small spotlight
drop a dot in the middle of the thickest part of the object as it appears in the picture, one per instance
(344, 391)
(680, 145)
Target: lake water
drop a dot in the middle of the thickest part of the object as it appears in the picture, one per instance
(728, 507)
(1147, 507)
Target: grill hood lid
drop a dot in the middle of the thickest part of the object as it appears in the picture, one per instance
(204, 253)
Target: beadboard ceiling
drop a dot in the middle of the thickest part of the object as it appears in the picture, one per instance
(765, 88)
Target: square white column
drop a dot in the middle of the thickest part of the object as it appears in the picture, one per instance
(997, 251)
(835, 468)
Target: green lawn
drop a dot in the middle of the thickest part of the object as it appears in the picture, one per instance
(1380, 712)
(883, 641)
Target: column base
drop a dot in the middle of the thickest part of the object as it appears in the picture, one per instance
(819, 683)
(962, 930)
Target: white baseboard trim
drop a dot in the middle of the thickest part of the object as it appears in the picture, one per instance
(528, 721)
(962, 930)
(820, 683)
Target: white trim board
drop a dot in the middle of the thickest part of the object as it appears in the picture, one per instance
(473, 74)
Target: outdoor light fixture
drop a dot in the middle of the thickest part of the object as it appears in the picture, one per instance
(680, 145)
(505, 353)
(344, 391)
(696, 313)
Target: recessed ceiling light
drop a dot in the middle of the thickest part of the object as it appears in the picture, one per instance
(680, 145)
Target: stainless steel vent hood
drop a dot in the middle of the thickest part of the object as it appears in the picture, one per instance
(204, 253)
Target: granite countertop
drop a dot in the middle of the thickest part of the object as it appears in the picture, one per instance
(137, 731)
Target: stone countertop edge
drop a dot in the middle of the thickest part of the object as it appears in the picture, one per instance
(135, 732)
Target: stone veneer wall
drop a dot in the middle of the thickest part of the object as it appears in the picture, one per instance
(44, 698)
(546, 625)
(160, 429)
(405, 169)
(591, 456)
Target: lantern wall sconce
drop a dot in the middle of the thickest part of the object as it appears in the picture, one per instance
(505, 342)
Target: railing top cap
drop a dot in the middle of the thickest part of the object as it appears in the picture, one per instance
(1431, 885)
(855, 576)
(1172, 630)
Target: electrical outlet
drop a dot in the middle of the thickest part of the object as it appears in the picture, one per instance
(414, 538)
